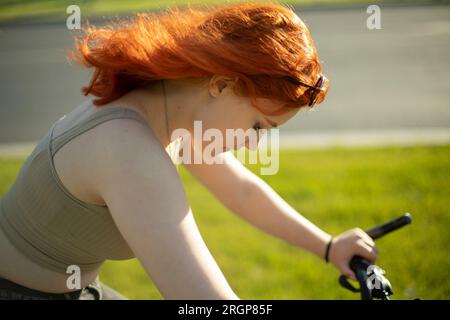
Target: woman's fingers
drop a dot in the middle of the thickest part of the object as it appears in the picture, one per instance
(367, 239)
(363, 235)
(371, 244)
(366, 251)
(354, 242)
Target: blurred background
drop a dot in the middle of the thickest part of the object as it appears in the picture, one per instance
(377, 147)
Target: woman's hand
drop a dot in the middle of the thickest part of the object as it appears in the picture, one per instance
(348, 244)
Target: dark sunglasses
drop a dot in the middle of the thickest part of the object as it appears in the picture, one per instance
(315, 89)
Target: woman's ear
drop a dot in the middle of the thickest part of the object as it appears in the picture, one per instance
(218, 83)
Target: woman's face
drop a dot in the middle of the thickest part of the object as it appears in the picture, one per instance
(225, 110)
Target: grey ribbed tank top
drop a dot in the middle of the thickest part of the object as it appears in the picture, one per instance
(46, 222)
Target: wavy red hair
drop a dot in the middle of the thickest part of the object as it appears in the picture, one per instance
(256, 43)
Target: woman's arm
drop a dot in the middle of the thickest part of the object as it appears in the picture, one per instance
(142, 189)
(251, 198)
(254, 200)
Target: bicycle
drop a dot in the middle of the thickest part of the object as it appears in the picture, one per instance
(373, 283)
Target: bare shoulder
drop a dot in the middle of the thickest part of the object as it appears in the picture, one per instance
(125, 148)
(145, 196)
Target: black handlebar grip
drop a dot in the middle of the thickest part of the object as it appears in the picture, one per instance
(381, 230)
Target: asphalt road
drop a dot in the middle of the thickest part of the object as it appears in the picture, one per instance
(395, 77)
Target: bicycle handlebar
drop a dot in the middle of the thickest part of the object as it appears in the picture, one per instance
(385, 228)
(367, 273)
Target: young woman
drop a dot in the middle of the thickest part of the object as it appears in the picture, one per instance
(102, 183)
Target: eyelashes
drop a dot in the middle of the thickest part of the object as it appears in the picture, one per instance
(257, 126)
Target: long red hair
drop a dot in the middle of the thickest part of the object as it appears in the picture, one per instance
(256, 43)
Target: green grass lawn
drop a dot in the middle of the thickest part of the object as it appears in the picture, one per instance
(40, 10)
(337, 189)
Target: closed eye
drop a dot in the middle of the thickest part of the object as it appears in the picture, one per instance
(257, 126)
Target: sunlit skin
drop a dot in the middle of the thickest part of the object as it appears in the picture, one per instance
(149, 205)
(122, 163)
(213, 102)
(209, 100)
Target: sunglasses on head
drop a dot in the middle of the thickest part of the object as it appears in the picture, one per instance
(315, 89)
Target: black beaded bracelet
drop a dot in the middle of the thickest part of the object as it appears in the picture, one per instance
(327, 252)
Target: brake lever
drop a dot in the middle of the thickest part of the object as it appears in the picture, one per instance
(343, 281)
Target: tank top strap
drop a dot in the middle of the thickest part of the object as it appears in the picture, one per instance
(56, 142)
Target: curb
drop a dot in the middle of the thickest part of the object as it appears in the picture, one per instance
(366, 138)
(315, 140)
